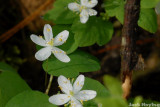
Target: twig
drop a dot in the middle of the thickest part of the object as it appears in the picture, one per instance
(24, 22)
(112, 47)
(49, 84)
(129, 56)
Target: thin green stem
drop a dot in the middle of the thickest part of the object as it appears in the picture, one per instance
(49, 84)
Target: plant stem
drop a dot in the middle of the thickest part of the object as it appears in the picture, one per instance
(49, 84)
(129, 56)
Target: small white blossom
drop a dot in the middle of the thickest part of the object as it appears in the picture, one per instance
(84, 8)
(49, 44)
(72, 94)
(157, 8)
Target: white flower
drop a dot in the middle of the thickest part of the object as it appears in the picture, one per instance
(72, 94)
(49, 44)
(85, 9)
(157, 8)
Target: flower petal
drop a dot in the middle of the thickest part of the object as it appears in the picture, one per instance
(61, 38)
(74, 6)
(38, 40)
(43, 53)
(84, 16)
(75, 103)
(60, 54)
(157, 8)
(59, 99)
(92, 3)
(65, 84)
(78, 84)
(47, 31)
(92, 12)
(86, 95)
(84, 2)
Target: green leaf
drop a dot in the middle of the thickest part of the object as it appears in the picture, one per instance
(30, 99)
(60, 14)
(95, 30)
(120, 14)
(91, 84)
(115, 8)
(80, 62)
(111, 102)
(10, 85)
(90, 103)
(148, 20)
(149, 3)
(70, 44)
(138, 100)
(113, 85)
(112, 6)
(6, 67)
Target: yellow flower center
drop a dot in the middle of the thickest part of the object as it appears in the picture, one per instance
(82, 7)
(50, 42)
(71, 93)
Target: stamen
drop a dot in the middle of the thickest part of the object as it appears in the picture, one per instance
(50, 42)
(60, 87)
(48, 30)
(60, 39)
(72, 79)
(78, 83)
(81, 101)
(56, 51)
(40, 36)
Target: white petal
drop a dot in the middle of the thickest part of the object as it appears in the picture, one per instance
(92, 3)
(86, 95)
(38, 40)
(65, 84)
(61, 38)
(157, 8)
(84, 16)
(78, 84)
(75, 103)
(47, 31)
(59, 99)
(74, 6)
(43, 53)
(84, 2)
(60, 54)
(92, 12)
